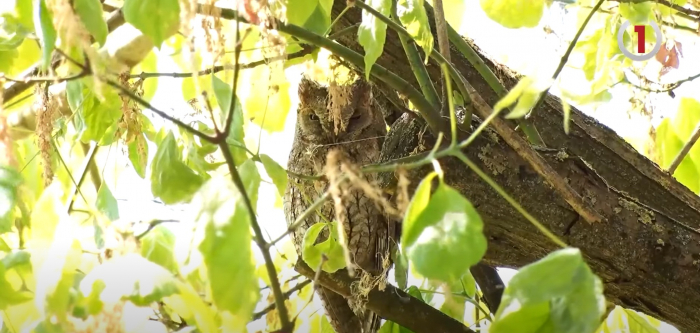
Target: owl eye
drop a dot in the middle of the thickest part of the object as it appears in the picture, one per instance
(313, 117)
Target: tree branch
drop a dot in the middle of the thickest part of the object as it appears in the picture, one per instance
(287, 294)
(666, 3)
(566, 55)
(391, 304)
(15, 88)
(259, 239)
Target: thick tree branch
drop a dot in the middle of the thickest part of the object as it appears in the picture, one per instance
(391, 304)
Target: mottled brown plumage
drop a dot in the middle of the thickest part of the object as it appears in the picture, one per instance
(345, 119)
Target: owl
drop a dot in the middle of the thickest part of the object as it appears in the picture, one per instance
(343, 119)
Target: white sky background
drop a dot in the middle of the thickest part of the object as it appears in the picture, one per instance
(527, 51)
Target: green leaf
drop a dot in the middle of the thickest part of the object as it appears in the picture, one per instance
(276, 173)
(410, 231)
(672, 134)
(414, 18)
(46, 31)
(558, 292)
(157, 19)
(447, 237)
(94, 117)
(514, 13)
(138, 154)
(235, 138)
(527, 94)
(400, 268)
(158, 246)
(372, 33)
(567, 115)
(171, 179)
(106, 203)
(312, 253)
(636, 12)
(12, 34)
(468, 284)
(641, 323)
(227, 247)
(251, 180)
(133, 278)
(91, 304)
(4, 247)
(9, 182)
(90, 12)
(9, 294)
(314, 15)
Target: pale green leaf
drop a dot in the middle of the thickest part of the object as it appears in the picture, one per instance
(171, 179)
(90, 12)
(10, 295)
(10, 180)
(131, 277)
(414, 18)
(312, 251)
(514, 13)
(641, 323)
(158, 19)
(106, 203)
(372, 33)
(529, 95)
(46, 31)
(559, 293)
(313, 15)
(251, 180)
(235, 138)
(566, 108)
(450, 237)
(138, 154)
(400, 268)
(276, 173)
(410, 229)
(91, 304)
(158, 246)
(227, 247)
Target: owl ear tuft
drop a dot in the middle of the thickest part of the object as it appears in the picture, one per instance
(310, 91)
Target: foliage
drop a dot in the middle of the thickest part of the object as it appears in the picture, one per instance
(71, 256)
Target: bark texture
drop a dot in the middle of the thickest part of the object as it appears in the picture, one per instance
(647, 251)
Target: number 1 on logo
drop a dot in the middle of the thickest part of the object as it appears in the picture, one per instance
(639, 29)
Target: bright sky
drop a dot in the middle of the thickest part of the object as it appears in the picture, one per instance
(527, 51)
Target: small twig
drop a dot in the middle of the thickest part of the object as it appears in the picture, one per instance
(308, 212)
(684, 151)
(417, 65)
(162, 114)
(666, 3)
(145, 75)
(444, 46)
(298, 287)
(152, 226)
(566, 55)
(89, 158)
(508, 198)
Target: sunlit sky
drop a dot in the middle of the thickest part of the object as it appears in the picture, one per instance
(528, 51)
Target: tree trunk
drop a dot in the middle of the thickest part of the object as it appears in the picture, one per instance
(647, 251)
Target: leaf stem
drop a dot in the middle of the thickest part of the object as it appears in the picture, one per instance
(684, 151)
(414, 59)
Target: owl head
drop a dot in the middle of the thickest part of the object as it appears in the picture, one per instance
(336, 114)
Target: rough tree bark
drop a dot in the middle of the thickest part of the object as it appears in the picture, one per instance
(647, 252)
